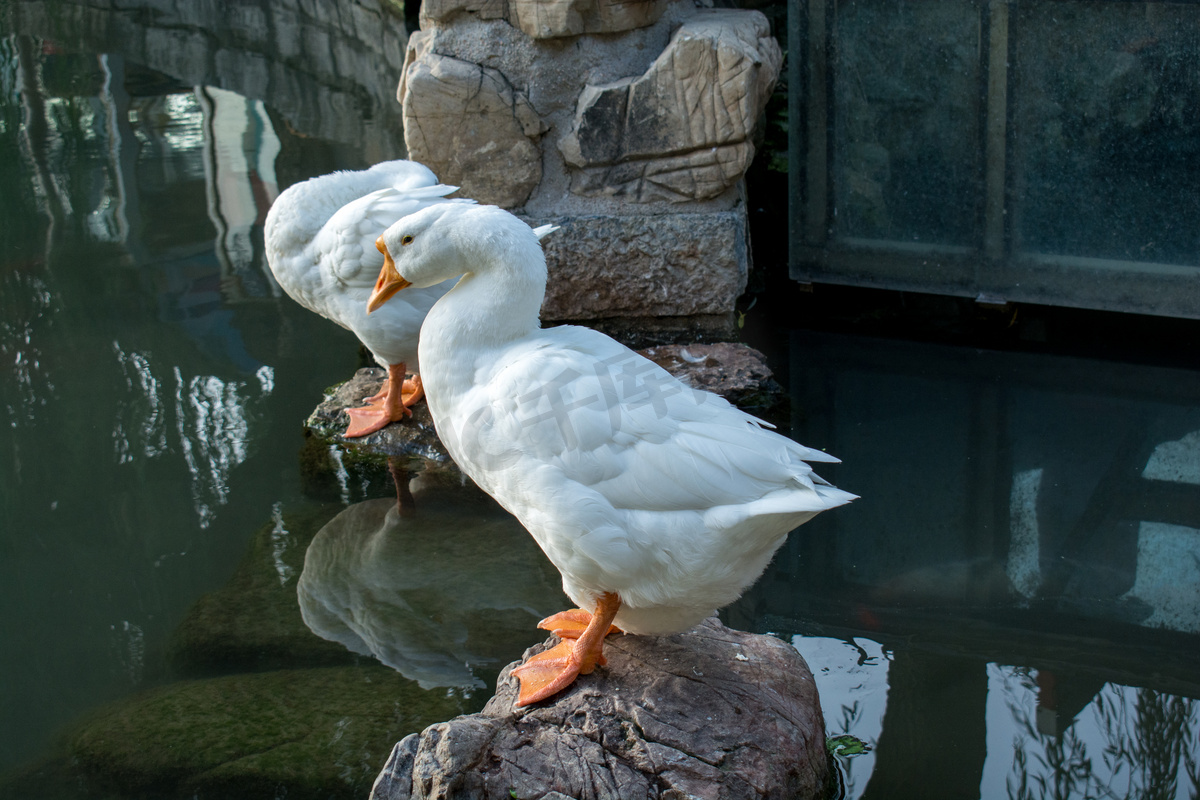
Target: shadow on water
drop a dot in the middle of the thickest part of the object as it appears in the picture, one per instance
(1011, 610)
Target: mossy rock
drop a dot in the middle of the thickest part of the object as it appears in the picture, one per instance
(254, 622)
(317, 733)
(332, 466)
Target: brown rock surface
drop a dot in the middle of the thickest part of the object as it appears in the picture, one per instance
(737, 372)
(711, 713)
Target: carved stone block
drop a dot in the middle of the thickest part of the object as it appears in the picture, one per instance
(469, 125)
(682, 130)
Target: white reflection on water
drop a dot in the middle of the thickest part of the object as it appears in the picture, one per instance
(1168, 576)
(1024, 548)
(852, 680)
(1127, 742)
(211, 425)
(281, 540)
(145, 403)
(17, 346)
(1176, 461)
(1043, 740)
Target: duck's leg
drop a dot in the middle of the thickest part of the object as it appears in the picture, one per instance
(413, 391)
(390, 405)
(548, 673)
(570, 624)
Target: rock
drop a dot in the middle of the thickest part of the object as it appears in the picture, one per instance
(737, 372)
(682, 130)
(253, 622)
(435, 11)
(547, 19)
(470, 126)
(654, 101)
(315, 733)
(333, 466)
(672, 265)
(712, 713)
(416, 437)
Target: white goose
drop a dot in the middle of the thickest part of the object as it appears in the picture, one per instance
(657, 503)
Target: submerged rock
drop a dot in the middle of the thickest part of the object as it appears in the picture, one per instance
(253, 621)
(711, 713)
(318, 733)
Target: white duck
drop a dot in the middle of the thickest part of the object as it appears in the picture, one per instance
(657, 503)
(320, 242)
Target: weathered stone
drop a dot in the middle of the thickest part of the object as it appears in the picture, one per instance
(695, 175)
(546, 19)
(682, 130)
(737, 372)
(294, 733)
(470, 126)
(435, 11)
(662, 265)
(415, 438)
(712, 713)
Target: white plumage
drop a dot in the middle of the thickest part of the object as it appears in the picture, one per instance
(632, 482)
(320, 241)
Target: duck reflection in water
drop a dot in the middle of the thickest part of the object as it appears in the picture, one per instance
(431, 595)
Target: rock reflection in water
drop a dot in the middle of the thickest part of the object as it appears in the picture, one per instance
(435, 596)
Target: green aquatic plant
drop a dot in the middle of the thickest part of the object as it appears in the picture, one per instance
(845, 745)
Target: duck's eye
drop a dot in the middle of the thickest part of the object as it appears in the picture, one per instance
(406, 239)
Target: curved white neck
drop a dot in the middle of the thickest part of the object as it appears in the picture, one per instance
(488, 309)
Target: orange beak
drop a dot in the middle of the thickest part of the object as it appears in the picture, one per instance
(389, 281)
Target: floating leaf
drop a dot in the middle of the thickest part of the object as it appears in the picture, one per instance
(846, 745)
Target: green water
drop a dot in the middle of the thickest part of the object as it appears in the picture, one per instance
(1023, 568)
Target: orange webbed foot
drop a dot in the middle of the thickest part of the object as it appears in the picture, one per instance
(548, 673)
(390, 405)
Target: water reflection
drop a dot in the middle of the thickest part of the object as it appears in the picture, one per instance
(1125, 742)
(1039, 738)
(436, 596)
(152, 381)
(1006, 481)
(1022, 570)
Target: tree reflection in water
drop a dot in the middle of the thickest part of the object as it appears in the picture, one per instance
(1127, 743)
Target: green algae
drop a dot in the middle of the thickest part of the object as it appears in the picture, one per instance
(310, 733)
(253, 622)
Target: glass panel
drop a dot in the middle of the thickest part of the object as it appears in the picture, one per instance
(1106, 134)
(907, 110)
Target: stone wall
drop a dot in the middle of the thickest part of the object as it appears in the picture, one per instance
(628, 124)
